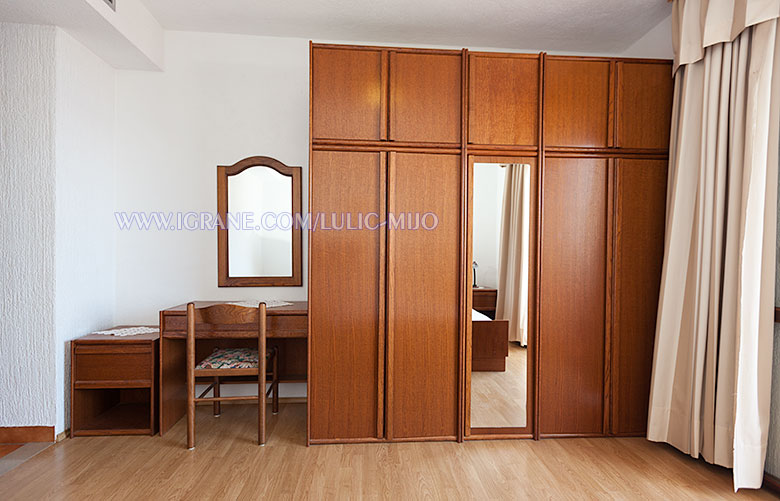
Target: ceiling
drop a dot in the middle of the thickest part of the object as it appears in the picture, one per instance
(597, 26)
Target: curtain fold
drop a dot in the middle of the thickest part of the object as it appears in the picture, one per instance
(710, 389)
(698, 24)
(513, 254)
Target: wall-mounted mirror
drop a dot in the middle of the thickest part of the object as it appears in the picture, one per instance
(502, 231)
(258, 199)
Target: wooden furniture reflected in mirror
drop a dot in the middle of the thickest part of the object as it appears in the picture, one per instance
(501, 339)
(259, 241)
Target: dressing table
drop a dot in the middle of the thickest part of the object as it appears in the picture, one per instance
(287, 329)
(266, 253)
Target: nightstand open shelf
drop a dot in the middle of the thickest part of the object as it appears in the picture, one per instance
(113, 385)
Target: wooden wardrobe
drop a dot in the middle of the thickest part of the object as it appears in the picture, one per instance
(385, 303)
(391, 131)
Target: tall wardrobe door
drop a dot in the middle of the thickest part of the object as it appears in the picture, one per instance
(346, 94)
(573, 285)
(576, 102)
(640, 207)
(504, 99)
(425, 97)
(346, 298)
(644, 110)
(423, 295)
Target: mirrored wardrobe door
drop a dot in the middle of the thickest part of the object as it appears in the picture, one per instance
(500, 340)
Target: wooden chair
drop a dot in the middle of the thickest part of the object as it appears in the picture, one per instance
(226, 321)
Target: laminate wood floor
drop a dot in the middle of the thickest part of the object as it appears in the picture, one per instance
(226, 464)
(498, 399)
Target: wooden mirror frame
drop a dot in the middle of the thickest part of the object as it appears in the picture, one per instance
(530, 430)
(224, 278)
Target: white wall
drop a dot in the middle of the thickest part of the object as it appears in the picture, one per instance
(773, 447)
(221, 98)
(489, 182)
(27, 235)
(129, 38)
(85, 250)
(656, 43)
(132, 20)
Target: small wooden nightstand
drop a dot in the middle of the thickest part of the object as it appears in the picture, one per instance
(484, 300)
(113, 382)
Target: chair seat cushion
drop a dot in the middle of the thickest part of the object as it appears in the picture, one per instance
(230, 358)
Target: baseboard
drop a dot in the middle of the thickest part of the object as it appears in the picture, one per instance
(62, 435)
(25, 434)
(771, 483)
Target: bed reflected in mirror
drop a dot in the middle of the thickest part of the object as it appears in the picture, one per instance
(501, 253)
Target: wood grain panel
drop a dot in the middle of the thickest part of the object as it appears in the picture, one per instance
(503, 100)
(160, 468)
(573, 281)
(425, 97)
(576, 102)
(644, 104)
(344, 297)
(639, 245)
(26, 434)
(424, 272)
(346, 93)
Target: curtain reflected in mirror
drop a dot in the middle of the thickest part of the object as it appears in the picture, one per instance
(266, 250)
(502, 201)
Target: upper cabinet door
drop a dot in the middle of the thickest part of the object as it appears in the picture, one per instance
(644, 111)
(425, 97)
(504, 99)
(346, 94)
(576, 102)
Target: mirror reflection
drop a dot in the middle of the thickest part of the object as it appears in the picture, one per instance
(265, 250)
(500, 271)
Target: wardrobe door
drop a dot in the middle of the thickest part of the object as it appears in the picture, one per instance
(644, 109)
(346, 296)
(640, 207)
(576, 102)
(573, 285)
(346, 93)
(425, 97)
(504, 99)
(423, 295)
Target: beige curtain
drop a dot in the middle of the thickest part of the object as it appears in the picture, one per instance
(512, 301)
(712, 364)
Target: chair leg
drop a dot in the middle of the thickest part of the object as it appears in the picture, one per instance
(275, 383)
(190, 396)
(261, 400)
(217, 406)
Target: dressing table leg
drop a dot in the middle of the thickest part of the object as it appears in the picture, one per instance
(217, 407)
(275, 397)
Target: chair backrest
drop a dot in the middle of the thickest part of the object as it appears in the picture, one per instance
(224, 318)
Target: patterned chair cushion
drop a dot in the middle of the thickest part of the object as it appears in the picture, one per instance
(230, 358)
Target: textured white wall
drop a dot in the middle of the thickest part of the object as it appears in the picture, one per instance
(85, 250)
(27, 235)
